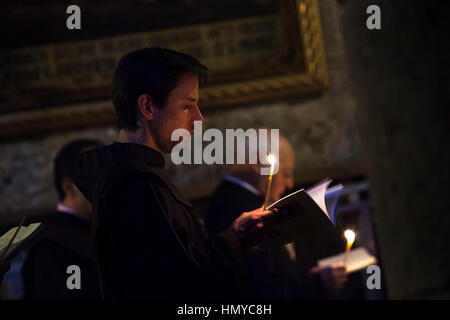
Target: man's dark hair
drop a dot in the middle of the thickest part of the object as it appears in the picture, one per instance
(69, 151)
(153, 71)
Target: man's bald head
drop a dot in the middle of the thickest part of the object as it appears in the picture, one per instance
(283, 178)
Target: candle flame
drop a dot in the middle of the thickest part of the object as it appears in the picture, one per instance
(271, 159)
(349, 235)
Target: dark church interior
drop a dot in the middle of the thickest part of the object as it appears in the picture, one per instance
(359, 92)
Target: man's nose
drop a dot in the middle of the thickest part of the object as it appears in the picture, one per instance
(198, 115)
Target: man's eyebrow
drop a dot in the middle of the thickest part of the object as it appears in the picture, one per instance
(191, 99)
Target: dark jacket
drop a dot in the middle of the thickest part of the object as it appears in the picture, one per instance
(227, 203)
(272, 271)
(65, 241)
(274, 275)
(148, 240)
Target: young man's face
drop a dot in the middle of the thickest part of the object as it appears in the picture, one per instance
(180, 111)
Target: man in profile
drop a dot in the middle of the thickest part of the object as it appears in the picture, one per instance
(65, 240)
(149, 242)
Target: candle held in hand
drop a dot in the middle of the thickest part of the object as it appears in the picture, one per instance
(271, 159)
(350, 236)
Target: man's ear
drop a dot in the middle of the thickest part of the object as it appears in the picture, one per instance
(67, 187)
(146, 106)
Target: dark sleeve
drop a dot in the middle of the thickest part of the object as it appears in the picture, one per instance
(226, 205)
(225, 254)
(311, 288)
(144, 257)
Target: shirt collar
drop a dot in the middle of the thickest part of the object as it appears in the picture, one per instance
(63, 208)
(243, 184)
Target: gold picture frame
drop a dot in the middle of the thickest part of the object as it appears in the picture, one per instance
(228, 88)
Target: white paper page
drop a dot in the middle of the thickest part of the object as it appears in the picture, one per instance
(317, 193)
(23, 233)
(357, 259)
(285, 197)
(331, 199)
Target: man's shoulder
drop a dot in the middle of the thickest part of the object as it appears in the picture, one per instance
(137, 187)
(141, 180)
(229, 190)
(60, 219)
(63, 232)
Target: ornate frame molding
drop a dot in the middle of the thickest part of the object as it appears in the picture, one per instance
(314, 79)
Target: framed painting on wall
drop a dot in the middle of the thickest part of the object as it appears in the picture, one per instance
(52, 78)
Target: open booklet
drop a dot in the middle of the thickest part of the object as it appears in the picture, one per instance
(306, 215)
(324, 196)
(25, 234)
(308, 218)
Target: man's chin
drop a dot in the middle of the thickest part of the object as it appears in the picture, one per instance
(168, 148)
(172, 144)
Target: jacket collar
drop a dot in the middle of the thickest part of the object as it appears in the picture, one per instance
(146, 154)
(142, 153)
(89, 169)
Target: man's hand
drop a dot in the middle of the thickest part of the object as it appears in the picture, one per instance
(4, 268)
(333, 277)
(254, 226)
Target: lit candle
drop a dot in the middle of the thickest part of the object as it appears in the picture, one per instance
(271, 159)
(350, 236)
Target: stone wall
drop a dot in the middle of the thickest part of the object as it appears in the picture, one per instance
(321, 128)
(401, 79)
